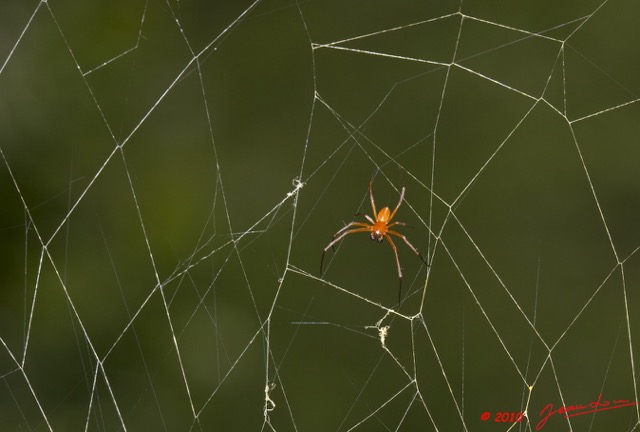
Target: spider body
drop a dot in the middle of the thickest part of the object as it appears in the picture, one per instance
(378, 229)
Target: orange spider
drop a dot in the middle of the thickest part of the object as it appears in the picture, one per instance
(379, 229)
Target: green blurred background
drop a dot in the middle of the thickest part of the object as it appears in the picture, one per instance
(172, 170)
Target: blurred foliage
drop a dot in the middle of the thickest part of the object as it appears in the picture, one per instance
(160, 268)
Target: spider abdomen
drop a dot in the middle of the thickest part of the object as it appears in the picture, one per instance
(384, 215)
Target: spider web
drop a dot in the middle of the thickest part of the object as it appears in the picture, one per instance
(172, 170)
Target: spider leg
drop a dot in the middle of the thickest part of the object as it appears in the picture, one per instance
(401, 224)
(341, 234)
(413, 248)
(373, 202)
(395, 252)
(399, 202)
(369, 218)
(347, 226)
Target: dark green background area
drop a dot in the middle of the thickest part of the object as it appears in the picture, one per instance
(170, 172)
